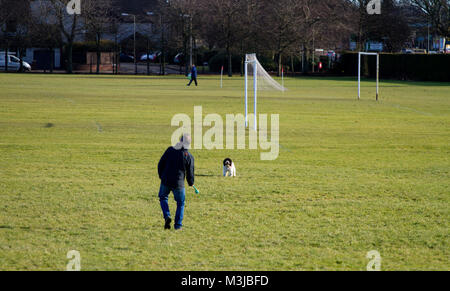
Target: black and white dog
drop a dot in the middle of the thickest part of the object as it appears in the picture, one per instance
(229, 170)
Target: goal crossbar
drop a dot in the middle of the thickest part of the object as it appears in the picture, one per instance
(377, 74)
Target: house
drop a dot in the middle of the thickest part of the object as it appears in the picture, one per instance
(126, 12)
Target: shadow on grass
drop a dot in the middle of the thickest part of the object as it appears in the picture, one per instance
(205, 175)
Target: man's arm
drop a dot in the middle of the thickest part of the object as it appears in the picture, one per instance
(162, 164)
(190, 170)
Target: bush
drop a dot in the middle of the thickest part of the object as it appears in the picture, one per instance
(401, 66)
(204, 55)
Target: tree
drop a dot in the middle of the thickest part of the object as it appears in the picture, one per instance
(182, 16)
(68, 25)
(294, 23)
(438, 14)
(98, 19)
(223, 20)
(362, 16)
(45, 33)
(390, 27)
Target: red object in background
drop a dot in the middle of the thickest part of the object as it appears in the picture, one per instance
(320, 66)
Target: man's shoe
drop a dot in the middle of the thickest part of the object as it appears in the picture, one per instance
(168, 222)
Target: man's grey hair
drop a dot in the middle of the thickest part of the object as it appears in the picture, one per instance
(185, 142)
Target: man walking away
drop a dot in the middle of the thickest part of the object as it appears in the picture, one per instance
(193, 75)
(175, 165)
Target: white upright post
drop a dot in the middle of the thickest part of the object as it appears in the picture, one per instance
(255, 89)
(359, 76)
(246, 94)
(221, 78)
(378, 74)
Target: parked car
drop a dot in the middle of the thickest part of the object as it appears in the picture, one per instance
(419, 51)
(179, 58)
(124, 58)
(13, 64)
(407, 51)
(151, 57)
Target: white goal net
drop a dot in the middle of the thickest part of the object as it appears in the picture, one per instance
(264, 80)
(261, 81)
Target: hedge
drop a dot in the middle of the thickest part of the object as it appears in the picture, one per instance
(221, 59)
(417, 67)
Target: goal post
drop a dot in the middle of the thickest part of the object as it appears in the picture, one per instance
(377, 73)
(261, 81)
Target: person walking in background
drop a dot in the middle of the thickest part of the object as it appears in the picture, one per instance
(175, 165)
(193, 75)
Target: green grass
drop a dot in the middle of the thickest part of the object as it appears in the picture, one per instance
(351, 176)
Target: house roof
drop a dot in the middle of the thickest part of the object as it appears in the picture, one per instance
(136, 6)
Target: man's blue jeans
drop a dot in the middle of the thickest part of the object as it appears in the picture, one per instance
(180, 197)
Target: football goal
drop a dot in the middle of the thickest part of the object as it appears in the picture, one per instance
(261, 81)
(377, 73)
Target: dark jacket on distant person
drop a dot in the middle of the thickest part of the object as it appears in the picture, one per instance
(174, 166)
(194, 72)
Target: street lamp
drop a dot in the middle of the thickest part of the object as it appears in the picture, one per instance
(162, 58)
(428, 36)
(135, 63)
(190, 33)
(148, 13)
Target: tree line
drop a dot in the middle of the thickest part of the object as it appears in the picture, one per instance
(277, 29)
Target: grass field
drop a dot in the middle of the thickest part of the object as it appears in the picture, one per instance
(78, 172)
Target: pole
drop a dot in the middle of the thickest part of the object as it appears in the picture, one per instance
(359, 76)
(378, 74)
(314, 52)
(115, 53)
(163, 47)
(255, 89)
(221, 78)
(246, 94)
(135, 61)
(282, 77)
(191, 44)
(428, 37)
(148, 55)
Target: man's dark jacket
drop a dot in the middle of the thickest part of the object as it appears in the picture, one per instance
(194, 72)
(175, 166)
